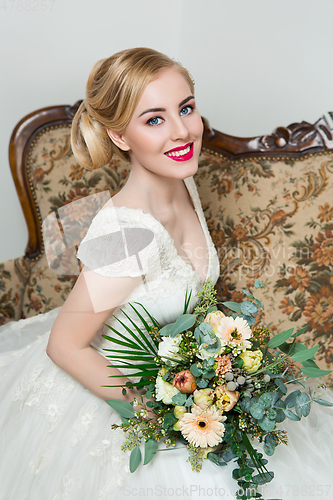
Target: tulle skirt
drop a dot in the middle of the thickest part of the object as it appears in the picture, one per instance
(56, 441)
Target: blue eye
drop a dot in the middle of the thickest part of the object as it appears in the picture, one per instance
(186, 110)
(156, 120)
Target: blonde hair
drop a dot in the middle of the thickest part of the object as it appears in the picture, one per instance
(113, 91)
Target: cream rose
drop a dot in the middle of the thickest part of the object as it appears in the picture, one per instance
(164, 390)
(252, 360)
(169, 348)
(203, 398)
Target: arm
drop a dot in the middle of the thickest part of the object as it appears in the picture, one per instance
(77, 324)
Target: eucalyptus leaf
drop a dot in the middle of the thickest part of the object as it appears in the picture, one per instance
(281, 385)
(124, 408)
(291, 415)
(267, 424)
(280, 338)
(266, 400)
(195, 370)
(179, 399)
(151, 447)
(211, 361)
(245, 404)
(189, 401)
(217, 460)
(291, 399)
(305, 355)
(248, 307)
(257, 411)
(182, 324)
(135, 459)
(315, 372)
(269, 445)
(263, 478)
(299, 332)
(302, 404)
(309, 363)
(249, 319)
(322, 402)
(215, 347)
(233, 306)
(201, 383)
(258, 284)
(169, 420)
(209, 373)
(166, 330)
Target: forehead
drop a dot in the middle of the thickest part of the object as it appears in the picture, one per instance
(170, 87)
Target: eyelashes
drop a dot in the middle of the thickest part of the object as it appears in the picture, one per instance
(157, 120)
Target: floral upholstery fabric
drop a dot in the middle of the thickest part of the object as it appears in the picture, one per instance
(14, 276)
(270, 218)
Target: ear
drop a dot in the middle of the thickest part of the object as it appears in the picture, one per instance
(118, 140)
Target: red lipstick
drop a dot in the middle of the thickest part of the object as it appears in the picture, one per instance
(183, 157)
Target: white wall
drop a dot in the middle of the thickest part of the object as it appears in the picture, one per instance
(257, 64)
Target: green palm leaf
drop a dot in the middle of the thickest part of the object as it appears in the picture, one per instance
(130, 345)
(129, 357)
(147, 327)
(134, 352)
(143, 373)
(139, 342)
(154, 321)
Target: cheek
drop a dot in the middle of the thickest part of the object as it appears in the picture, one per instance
(197, 125)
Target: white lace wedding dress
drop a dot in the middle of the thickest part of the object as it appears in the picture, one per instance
(56, 441)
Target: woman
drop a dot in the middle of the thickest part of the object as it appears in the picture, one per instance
(56, 441)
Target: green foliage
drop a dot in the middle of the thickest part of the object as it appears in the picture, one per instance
(183, 323)
(151, 447)
(122, 407)
(135, 459)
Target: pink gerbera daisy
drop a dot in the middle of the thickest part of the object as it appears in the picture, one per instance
(233, 330)
(202, 427)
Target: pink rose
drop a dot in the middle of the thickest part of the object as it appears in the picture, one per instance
(214, 319)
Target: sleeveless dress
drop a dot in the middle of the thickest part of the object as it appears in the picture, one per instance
(56, 441)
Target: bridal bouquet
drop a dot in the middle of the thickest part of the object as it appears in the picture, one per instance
(215, 384)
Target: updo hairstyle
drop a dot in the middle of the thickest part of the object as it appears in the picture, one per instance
(113, 91)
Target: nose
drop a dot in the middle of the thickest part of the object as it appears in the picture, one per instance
(178, 129)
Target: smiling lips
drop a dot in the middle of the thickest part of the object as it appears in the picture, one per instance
(181, 154)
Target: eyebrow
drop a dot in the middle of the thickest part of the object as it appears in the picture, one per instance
(154, 110)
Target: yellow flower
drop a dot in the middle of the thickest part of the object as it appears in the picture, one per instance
(252, 360)
(226, 400)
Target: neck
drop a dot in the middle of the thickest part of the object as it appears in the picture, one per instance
(162, 196)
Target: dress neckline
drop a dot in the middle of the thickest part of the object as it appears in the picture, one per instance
(198, 210)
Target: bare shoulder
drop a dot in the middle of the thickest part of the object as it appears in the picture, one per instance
(126, 198)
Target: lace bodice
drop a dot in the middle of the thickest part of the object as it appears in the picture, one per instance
(116, 245)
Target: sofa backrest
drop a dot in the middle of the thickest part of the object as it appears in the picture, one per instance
(268, 203)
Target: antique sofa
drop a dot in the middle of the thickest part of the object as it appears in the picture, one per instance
(268, 202)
